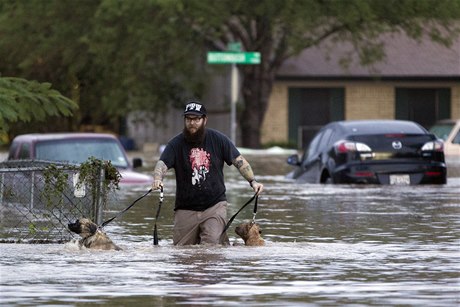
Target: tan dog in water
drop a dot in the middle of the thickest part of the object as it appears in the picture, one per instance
(92, 236)
(250, 233)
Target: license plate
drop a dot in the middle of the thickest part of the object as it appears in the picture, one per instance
(399, 179)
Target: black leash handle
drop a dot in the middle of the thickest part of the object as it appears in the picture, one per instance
(129, 207)
(256, 197)
(155, 231)
(255, 210)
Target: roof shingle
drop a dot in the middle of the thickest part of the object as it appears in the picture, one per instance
(405, 58)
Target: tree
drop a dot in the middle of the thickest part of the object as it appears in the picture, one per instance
(45, 41)
(281, 29)
(147, 57)
(116, 56)
(23, 100)
(110, 56)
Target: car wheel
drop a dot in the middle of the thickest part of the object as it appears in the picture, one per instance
(326, 178)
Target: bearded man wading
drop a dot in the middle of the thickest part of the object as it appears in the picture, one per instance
(197, 155)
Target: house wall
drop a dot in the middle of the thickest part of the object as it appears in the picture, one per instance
(275, 124)
(368, 101)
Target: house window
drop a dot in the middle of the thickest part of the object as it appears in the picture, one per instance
(312, 108)
(422, 105)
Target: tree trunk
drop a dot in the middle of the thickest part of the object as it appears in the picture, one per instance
(256, 89)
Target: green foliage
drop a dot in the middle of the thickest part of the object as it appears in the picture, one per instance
(32, 229)
(57, 180)
(146, 53)
(23, 100)
(90, 174)
(109, 56)
(117, 56)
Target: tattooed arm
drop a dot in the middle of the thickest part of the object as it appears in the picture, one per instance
(246, 171)
(158, 174)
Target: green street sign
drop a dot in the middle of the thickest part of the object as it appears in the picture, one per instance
(216, 57)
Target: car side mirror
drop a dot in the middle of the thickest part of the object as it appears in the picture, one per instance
(137, 162)
(293, 160)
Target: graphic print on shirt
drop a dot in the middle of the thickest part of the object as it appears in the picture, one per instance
(201, 162)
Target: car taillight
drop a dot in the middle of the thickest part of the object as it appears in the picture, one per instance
(347, 146)
(364, 174)
(433, 174)
(433, 146)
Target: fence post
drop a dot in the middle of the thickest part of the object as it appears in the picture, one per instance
(98, 197)
(2, 182)
(32, 190)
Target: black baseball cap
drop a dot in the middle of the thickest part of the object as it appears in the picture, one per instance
(195, 108)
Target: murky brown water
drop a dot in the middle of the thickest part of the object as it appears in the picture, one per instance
(326, 245)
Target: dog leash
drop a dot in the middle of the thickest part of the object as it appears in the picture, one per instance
(120, 213)
(256, 198)
(155, 232)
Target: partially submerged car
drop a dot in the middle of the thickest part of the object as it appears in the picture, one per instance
(77, 148)
(449, 131)
(372, 151)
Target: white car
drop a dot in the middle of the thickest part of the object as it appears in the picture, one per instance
(449, 131)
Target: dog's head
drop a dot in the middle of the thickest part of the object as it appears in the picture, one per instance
(84, 227)
(248, 230)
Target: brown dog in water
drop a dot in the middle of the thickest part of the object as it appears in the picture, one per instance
(92, 236)
(250, 233)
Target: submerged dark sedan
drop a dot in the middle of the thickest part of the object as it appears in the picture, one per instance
(372, 151)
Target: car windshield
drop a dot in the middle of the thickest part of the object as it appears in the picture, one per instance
(79, 150)
(442, 131)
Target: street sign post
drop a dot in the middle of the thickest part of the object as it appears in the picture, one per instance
(234, 57)
(234, 46)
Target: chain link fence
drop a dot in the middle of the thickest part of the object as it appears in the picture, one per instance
(36, 207)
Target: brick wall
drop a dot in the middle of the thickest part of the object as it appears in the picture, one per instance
(275, 125)
(365, 101)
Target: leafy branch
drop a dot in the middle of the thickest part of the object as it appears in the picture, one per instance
(56, 179)
(24, 100)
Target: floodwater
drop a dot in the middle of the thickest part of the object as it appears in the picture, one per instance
(326, 245)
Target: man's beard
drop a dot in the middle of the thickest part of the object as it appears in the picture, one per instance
(195, 139)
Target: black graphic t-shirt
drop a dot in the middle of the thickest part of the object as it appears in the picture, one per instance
(199, 170)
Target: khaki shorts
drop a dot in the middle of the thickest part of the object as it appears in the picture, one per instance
(201, 227)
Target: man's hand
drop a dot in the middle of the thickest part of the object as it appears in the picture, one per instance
(157, 184)
(257, 186)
